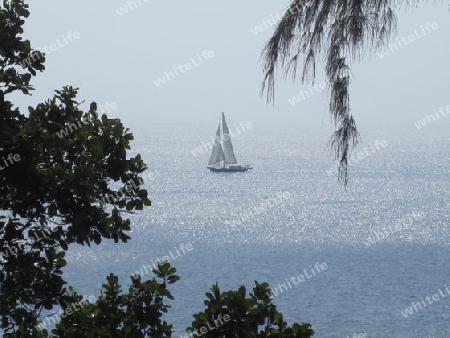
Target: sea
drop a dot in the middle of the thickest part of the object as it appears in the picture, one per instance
(373, 255)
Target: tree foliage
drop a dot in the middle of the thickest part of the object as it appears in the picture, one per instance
(15, 51)
(115, 314)
(64, 189)
(233, 314)
(338, 32)
(138, 313)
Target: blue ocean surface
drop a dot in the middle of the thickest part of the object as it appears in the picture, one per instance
(384, 239)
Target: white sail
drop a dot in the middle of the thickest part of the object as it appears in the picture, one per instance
(227, 146)
(217, 154)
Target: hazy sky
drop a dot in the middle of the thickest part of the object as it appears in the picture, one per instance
(117, 58)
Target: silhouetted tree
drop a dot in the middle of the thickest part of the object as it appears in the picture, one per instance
(64, 178)
(233, 314)
(337, 31)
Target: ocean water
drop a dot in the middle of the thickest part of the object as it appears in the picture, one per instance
(384, 239)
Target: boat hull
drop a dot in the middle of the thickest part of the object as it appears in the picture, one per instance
(229, 170)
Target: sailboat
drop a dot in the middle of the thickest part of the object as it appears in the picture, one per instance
(222, 157)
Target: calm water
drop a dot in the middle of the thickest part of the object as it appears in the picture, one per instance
(313, 220)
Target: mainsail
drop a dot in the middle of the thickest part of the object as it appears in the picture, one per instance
(222, 157)
(217, 154)
(227, 146)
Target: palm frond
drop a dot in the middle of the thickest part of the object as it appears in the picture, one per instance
(337, 31)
